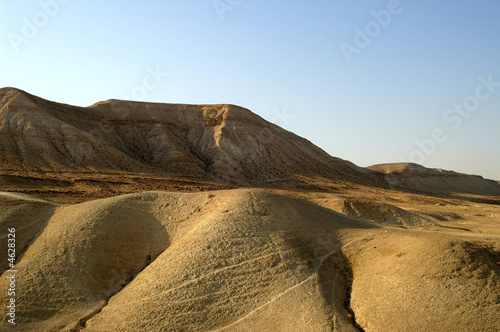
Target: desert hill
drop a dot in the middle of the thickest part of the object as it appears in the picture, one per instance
(221, 143)
(116, 146)
(176, 244)
(434, 180)
(240, 260)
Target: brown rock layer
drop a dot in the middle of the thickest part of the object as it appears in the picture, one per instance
(216, 142)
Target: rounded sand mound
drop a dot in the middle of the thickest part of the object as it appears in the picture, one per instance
(374, 211)
(242, 260)
(184, 261)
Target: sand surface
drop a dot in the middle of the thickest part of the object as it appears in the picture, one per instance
(251, 260)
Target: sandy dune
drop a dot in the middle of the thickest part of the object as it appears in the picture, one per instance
(378, 212)
(243, 260)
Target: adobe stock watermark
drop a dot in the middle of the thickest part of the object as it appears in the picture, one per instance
(224, 6)
(31, 26)
(11, 276)
(280, 118)
(371, 30)
(151, 80)
(454, 117)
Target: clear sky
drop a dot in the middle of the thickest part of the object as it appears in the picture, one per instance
(367, 81)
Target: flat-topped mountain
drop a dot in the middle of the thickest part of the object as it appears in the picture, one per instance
(435, 180)
(215, 142)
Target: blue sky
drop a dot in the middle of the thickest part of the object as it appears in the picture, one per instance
(392, 97)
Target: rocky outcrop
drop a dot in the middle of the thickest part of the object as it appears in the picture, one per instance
(221, 142)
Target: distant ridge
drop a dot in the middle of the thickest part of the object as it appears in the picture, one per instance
(435, 180)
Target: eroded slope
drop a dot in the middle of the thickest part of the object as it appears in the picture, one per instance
(216, 142)
(244, 260)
